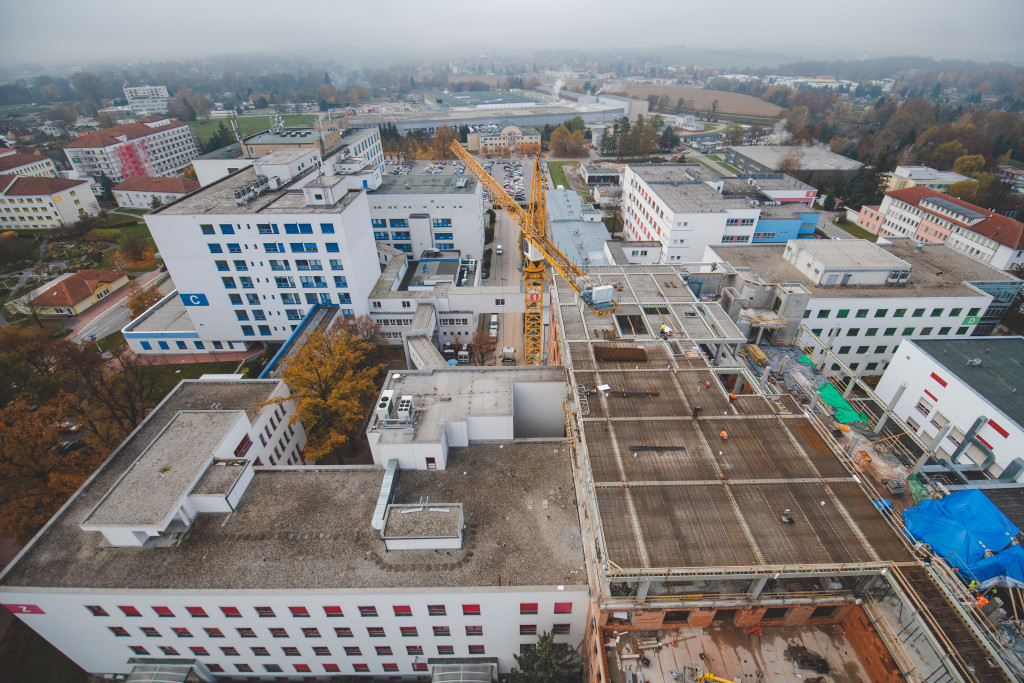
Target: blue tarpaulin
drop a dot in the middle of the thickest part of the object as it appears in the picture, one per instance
(960, 528)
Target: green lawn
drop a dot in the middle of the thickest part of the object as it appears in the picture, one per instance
(856, 230)
(136, 212)
(558, 174)
(248, 125)
(168, 376)
(1015, 163)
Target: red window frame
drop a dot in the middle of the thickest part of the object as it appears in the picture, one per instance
(290, 651)
(470, 610)
(230, 612)
(245, 632)
(527, 629)
(403, 610)
(278, 632)
(321, 651)
(229, 651)
(333, 611)
(445, 649)
(437, 610)
(129, 611)
(163, 611)
(474, 630)
(198, 612)
(302, 668)
(332, 668)
(243, 668)
(299, 611)
(343, 632)
(367, 611)
(375, 632)
(442, 631)
(181, 632)
(353, 651)
(383, 650)
(563, 608)
(139, 650)
(560, 629)
(414, 649)
(390, 666)
(199, 651)
(361, 668)
(260, 651)
(311, 632)
(119, 631)
(213, 632)
(528, 607)
(419, 666)
(168, 650)
(97, 611)
(408, 631)
(149, 632)
(476, 650)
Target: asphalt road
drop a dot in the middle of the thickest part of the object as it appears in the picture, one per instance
(115, 318)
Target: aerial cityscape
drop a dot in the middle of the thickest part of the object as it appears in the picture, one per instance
(528, 344)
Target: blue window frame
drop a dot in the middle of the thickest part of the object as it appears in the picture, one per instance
(217, 345)
(380, 235)
(221, 265)
(215, 248)
(327, 228)
(236, 299)
(227, 229)
(407, 248)
(309, 281)
(240, 265)
(273, 247)
(293, 313)
(234, 248)
(445, 245)
(444, 236)
(253, 299)
(265, 330)
(200, 345)
(146, 345)
(181, 345)
(340, 281)
(344, 298)
(312, 298)
(275, 264)
(241, 315)
(332, 247)
(206, 228)
(441, 222)
(303, 247)
(246, 282)
(284, 282)
(163, 345)
(229, 282)
(258, 314)
(247, 331)
(336, 264)
(298, 229)
(267, 228)
(290, 299)
(308, 264)
(378, 223)
(399, 222)
(402, 235)
(348, 313)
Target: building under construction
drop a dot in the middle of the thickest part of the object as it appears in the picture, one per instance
(716, 504)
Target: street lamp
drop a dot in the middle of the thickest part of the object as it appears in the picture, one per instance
(92, 337)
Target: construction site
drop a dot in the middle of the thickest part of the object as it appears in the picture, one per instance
(736, 527)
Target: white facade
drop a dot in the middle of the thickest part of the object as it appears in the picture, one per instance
(935, 400)
(209, 171)
(684, 234)
(310, 633)
(253, 282)
(1002, 256)
(42, 203)
(15, 163)
(147, 99)
(134, 199)
(424, 213)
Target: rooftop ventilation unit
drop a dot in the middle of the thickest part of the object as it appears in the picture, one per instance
(405, 408)
(383, 410)
(461, 182)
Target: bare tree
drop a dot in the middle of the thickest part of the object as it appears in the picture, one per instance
(792, 161)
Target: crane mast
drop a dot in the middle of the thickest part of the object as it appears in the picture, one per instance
(533, 226)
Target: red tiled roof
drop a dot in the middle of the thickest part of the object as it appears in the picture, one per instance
(9, 161)
(78, 287)
(133, 131)
(147, 183)
(1003, 230)
(24, 185)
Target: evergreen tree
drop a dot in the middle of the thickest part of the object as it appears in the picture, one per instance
(546, 662)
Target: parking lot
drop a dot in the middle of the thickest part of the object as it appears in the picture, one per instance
(515, 175)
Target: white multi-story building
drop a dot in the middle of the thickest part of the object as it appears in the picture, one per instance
(866, 298)
(928, 215)
(39, 203)
(147, 99)
(15, 163)
(152, 146)
(429, 213)
(687, 208)
(312, 571)
(140, 191)
(960, 396)
(923, 176)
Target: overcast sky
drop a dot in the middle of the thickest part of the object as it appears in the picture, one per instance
(75, 32)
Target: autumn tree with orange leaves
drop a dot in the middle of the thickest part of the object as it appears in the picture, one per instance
(333, 384)
(141, 299)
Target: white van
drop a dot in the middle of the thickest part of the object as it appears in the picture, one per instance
(498, 249)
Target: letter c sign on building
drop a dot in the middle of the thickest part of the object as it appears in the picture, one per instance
(194, 299)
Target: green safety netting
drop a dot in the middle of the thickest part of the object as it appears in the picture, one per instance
(844, 412)
(917, 489)
(806, 361)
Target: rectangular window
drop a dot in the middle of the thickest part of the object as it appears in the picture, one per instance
(207, 229)
(375, 631)
(181, 345)
(331, 247)
(474, 630)
(955, 312)
(476, 649)
(414, 649)
(528, 629)
(563, 608)
(445, 649)
(436, 610)
(402, 610)
(139, 650)
(944, 330)
(278, 632)
(246, 632)
(442, 631)
(260, 651)
(470, 609)
(842, 313)
(181, 632)
(118, 630)
(343, 631)
(243, 668)
(899, 313)
(311, 632)
(872, 331)
(881, 312)
(367, 611)
(321, 651)
(862, 312)
(918, 312)
(409, 631)
(936, 313)
(333, 611)
(327, 228)
(266, 228)
(824, 313)
(234, 248)
(853, 332)
(290, 651)
(229, 651)
(213, 632)
(302, 668)
(264, 612)
(163, 611)
(264, 330)
(889, 331)
(380, 236)
(227, 229)
(361, 668)
(881, 349)
(340, 281)
(419, 666)
(925, 331)
(229, 282)
(241, 315)
(129, 611)
(383, 650)
(173, 652)
(236, 299)
(560, 629)
(353, 651)
(97, 611)
(908, 331)
(221, 265)
(299, 611)
(215, 248)
(246, 282)
(240, 265)
(531, 607)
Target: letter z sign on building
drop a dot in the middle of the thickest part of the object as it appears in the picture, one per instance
(24, 609)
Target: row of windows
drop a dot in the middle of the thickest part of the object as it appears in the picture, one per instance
(276, 668)
(329, 610)
(897, 313)
(891, 331)
(277, 247)
(314, 632)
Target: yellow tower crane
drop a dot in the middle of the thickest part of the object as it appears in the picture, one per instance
(533, 225)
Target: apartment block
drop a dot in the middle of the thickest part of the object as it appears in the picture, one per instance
(146, 100)
(140, 192)
(42, 202)
(13, 162)
(152, 146)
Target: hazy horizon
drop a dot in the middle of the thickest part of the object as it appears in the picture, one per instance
(399, 30)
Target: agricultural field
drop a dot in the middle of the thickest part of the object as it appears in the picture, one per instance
(248, 125)
(699, 98)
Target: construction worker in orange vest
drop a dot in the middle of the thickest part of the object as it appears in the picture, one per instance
(724, 434)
